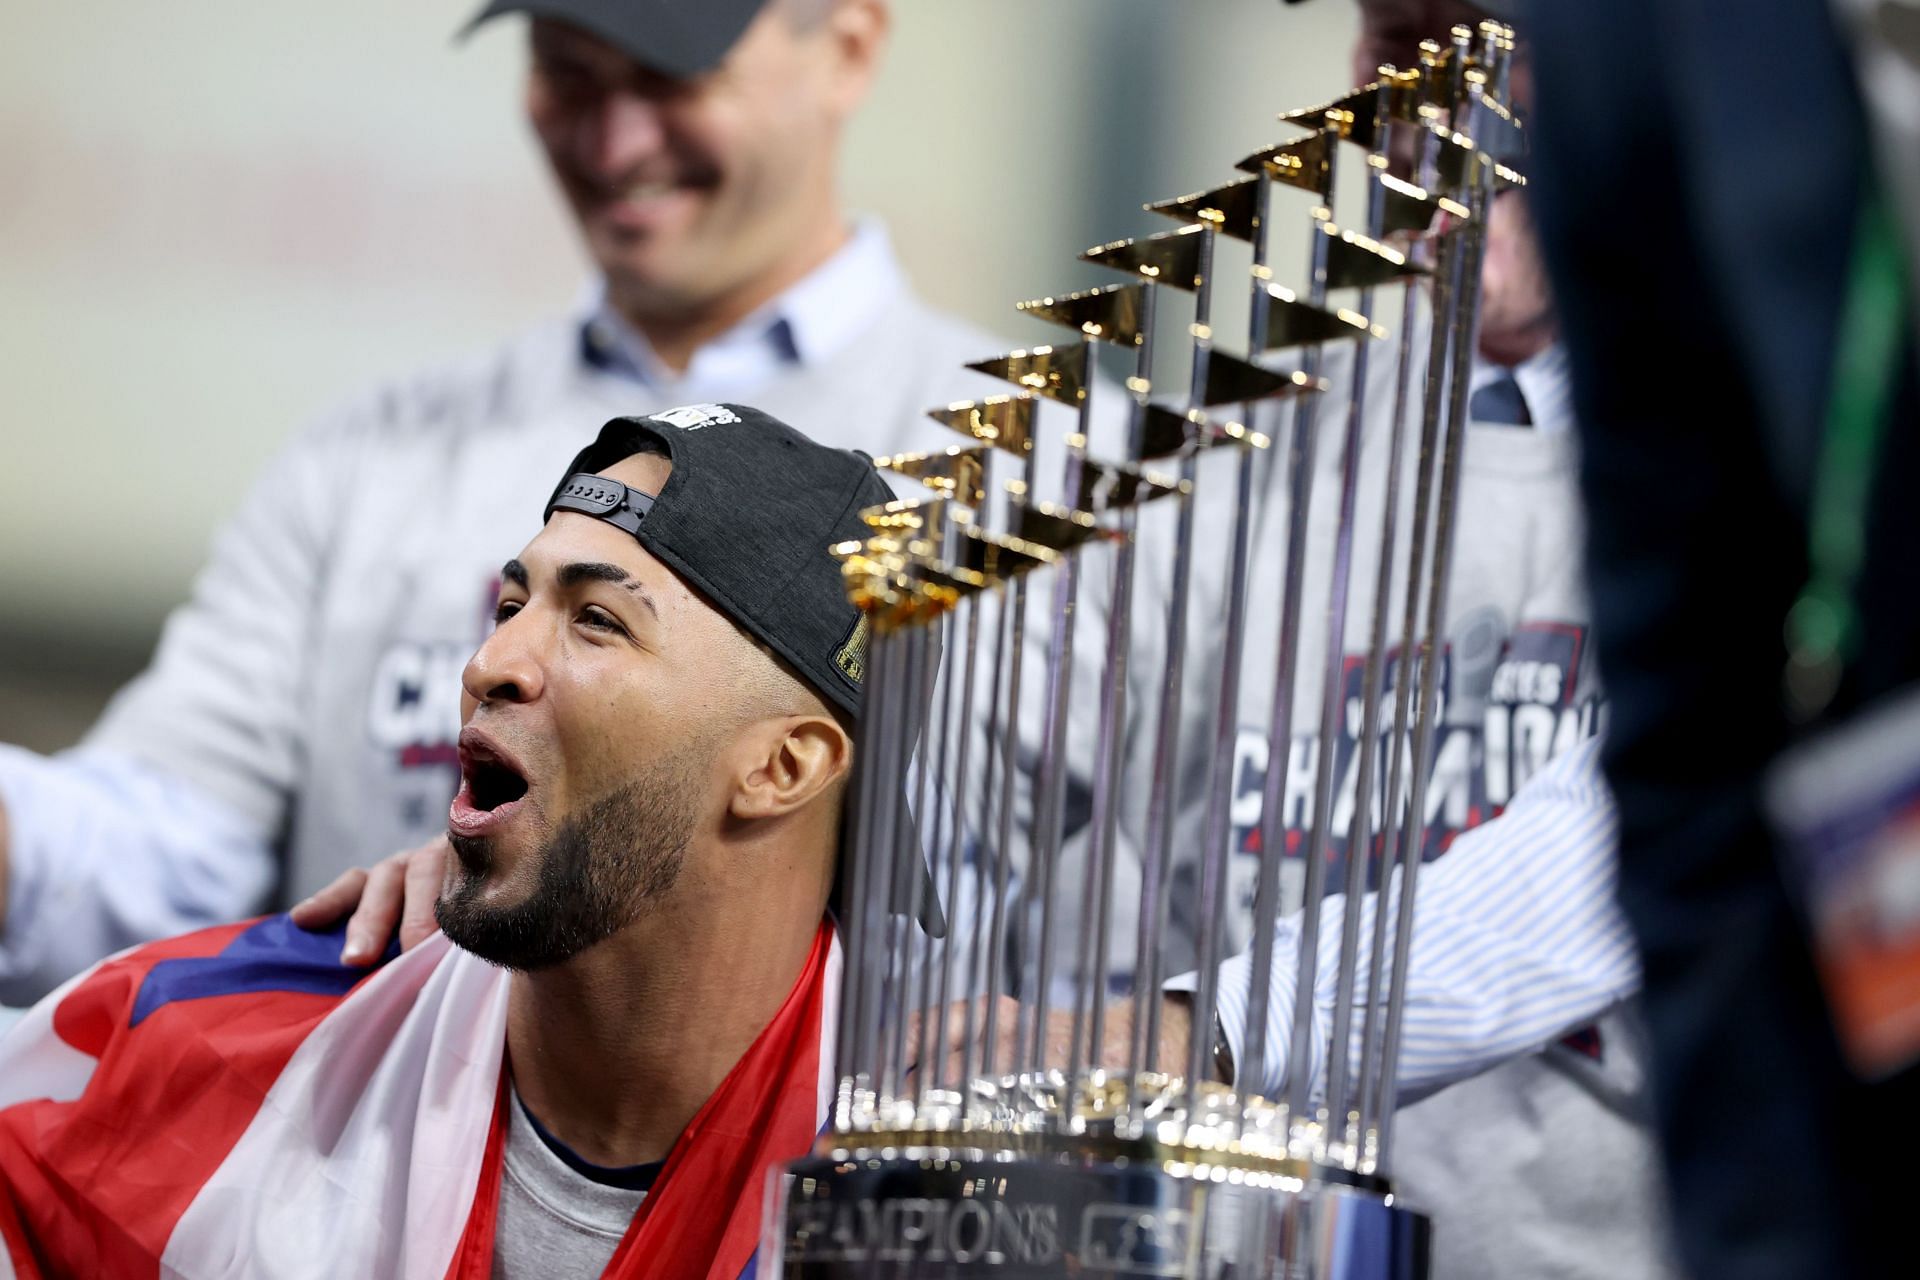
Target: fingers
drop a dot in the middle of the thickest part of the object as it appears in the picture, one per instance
(946, 1055)
(1012, 1013)
(912, 1040)
(1006, 1010)
(378, 914)
(327, 906)
(1116, 1045)
(956, 1049)
(1176, 1032)
(946, 1061)
(426, 867)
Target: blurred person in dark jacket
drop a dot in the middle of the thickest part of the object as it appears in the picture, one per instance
(1724, 239)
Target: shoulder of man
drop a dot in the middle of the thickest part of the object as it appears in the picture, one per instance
(943, 335)
(505, 383)
(910, 359)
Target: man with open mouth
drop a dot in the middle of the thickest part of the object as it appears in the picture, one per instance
(628, 1018)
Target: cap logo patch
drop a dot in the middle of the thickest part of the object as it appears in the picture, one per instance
(692, 417)
(851, 656)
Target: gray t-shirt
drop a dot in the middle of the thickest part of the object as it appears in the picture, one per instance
(556, 1222)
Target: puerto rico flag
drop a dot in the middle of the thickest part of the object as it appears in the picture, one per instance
(235, 1103)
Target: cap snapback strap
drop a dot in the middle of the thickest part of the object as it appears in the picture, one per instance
(603, 499)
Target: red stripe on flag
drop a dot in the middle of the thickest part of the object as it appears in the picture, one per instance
(473, 1259)
(13, 1239)
(100, 1182)
(708, 1201)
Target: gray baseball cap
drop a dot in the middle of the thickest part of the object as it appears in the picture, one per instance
(677, 38)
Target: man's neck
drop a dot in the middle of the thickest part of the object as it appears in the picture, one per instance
(618, 1048)
(677, 333)
(1511, 350)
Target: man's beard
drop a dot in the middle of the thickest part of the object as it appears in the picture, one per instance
(601, 869)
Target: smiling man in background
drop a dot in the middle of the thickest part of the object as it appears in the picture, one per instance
(299, 716)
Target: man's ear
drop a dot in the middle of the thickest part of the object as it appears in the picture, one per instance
(798, 759)
(858, 30)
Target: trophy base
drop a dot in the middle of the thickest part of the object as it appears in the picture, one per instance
(960, 1213)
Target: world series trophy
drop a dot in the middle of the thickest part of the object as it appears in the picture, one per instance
(1008, 1157)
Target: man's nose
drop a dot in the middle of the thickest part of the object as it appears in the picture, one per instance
(623, 130)
(505, 668)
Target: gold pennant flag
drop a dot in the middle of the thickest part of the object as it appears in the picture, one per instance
(1167, 431)
(1048, 525)
(901, 519)
(1113, 313)
(1234, 381)
(1109, 486)
(1233, 210)
(1294, 322)
(1306, 163)
(1058, 373)
(959, 579)
(887, 598)
(957, 473)
(1005, 422)
(1432, 83)
(867, 583)
(869, 580)
(1454, 164)
(1457, 154)
(1506, 132)
(1164, 431)
(1172, 257)
(883, 553)
(1355, 117)
(899, 586)
(844, 551)
(891, 604)
(1355, 261)
(1351, 118)
(1413, 209)
(997, 557)
(1240, 433)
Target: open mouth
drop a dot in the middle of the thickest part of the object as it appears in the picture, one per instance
(493, 784)
(491, 787)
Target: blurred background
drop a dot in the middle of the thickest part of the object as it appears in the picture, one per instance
(217, 218)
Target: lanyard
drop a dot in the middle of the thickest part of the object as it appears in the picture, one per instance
(1823, 627)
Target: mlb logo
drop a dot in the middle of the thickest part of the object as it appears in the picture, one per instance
(1132, 1241)
(692, 417)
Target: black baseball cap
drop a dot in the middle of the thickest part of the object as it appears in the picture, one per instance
(746, 518)
(677, 38)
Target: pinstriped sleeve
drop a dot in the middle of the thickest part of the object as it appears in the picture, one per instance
(1517, 940)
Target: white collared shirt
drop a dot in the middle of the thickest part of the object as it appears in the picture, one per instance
(812, 322)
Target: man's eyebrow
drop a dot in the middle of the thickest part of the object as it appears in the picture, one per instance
(579, 571)
(515, 572)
